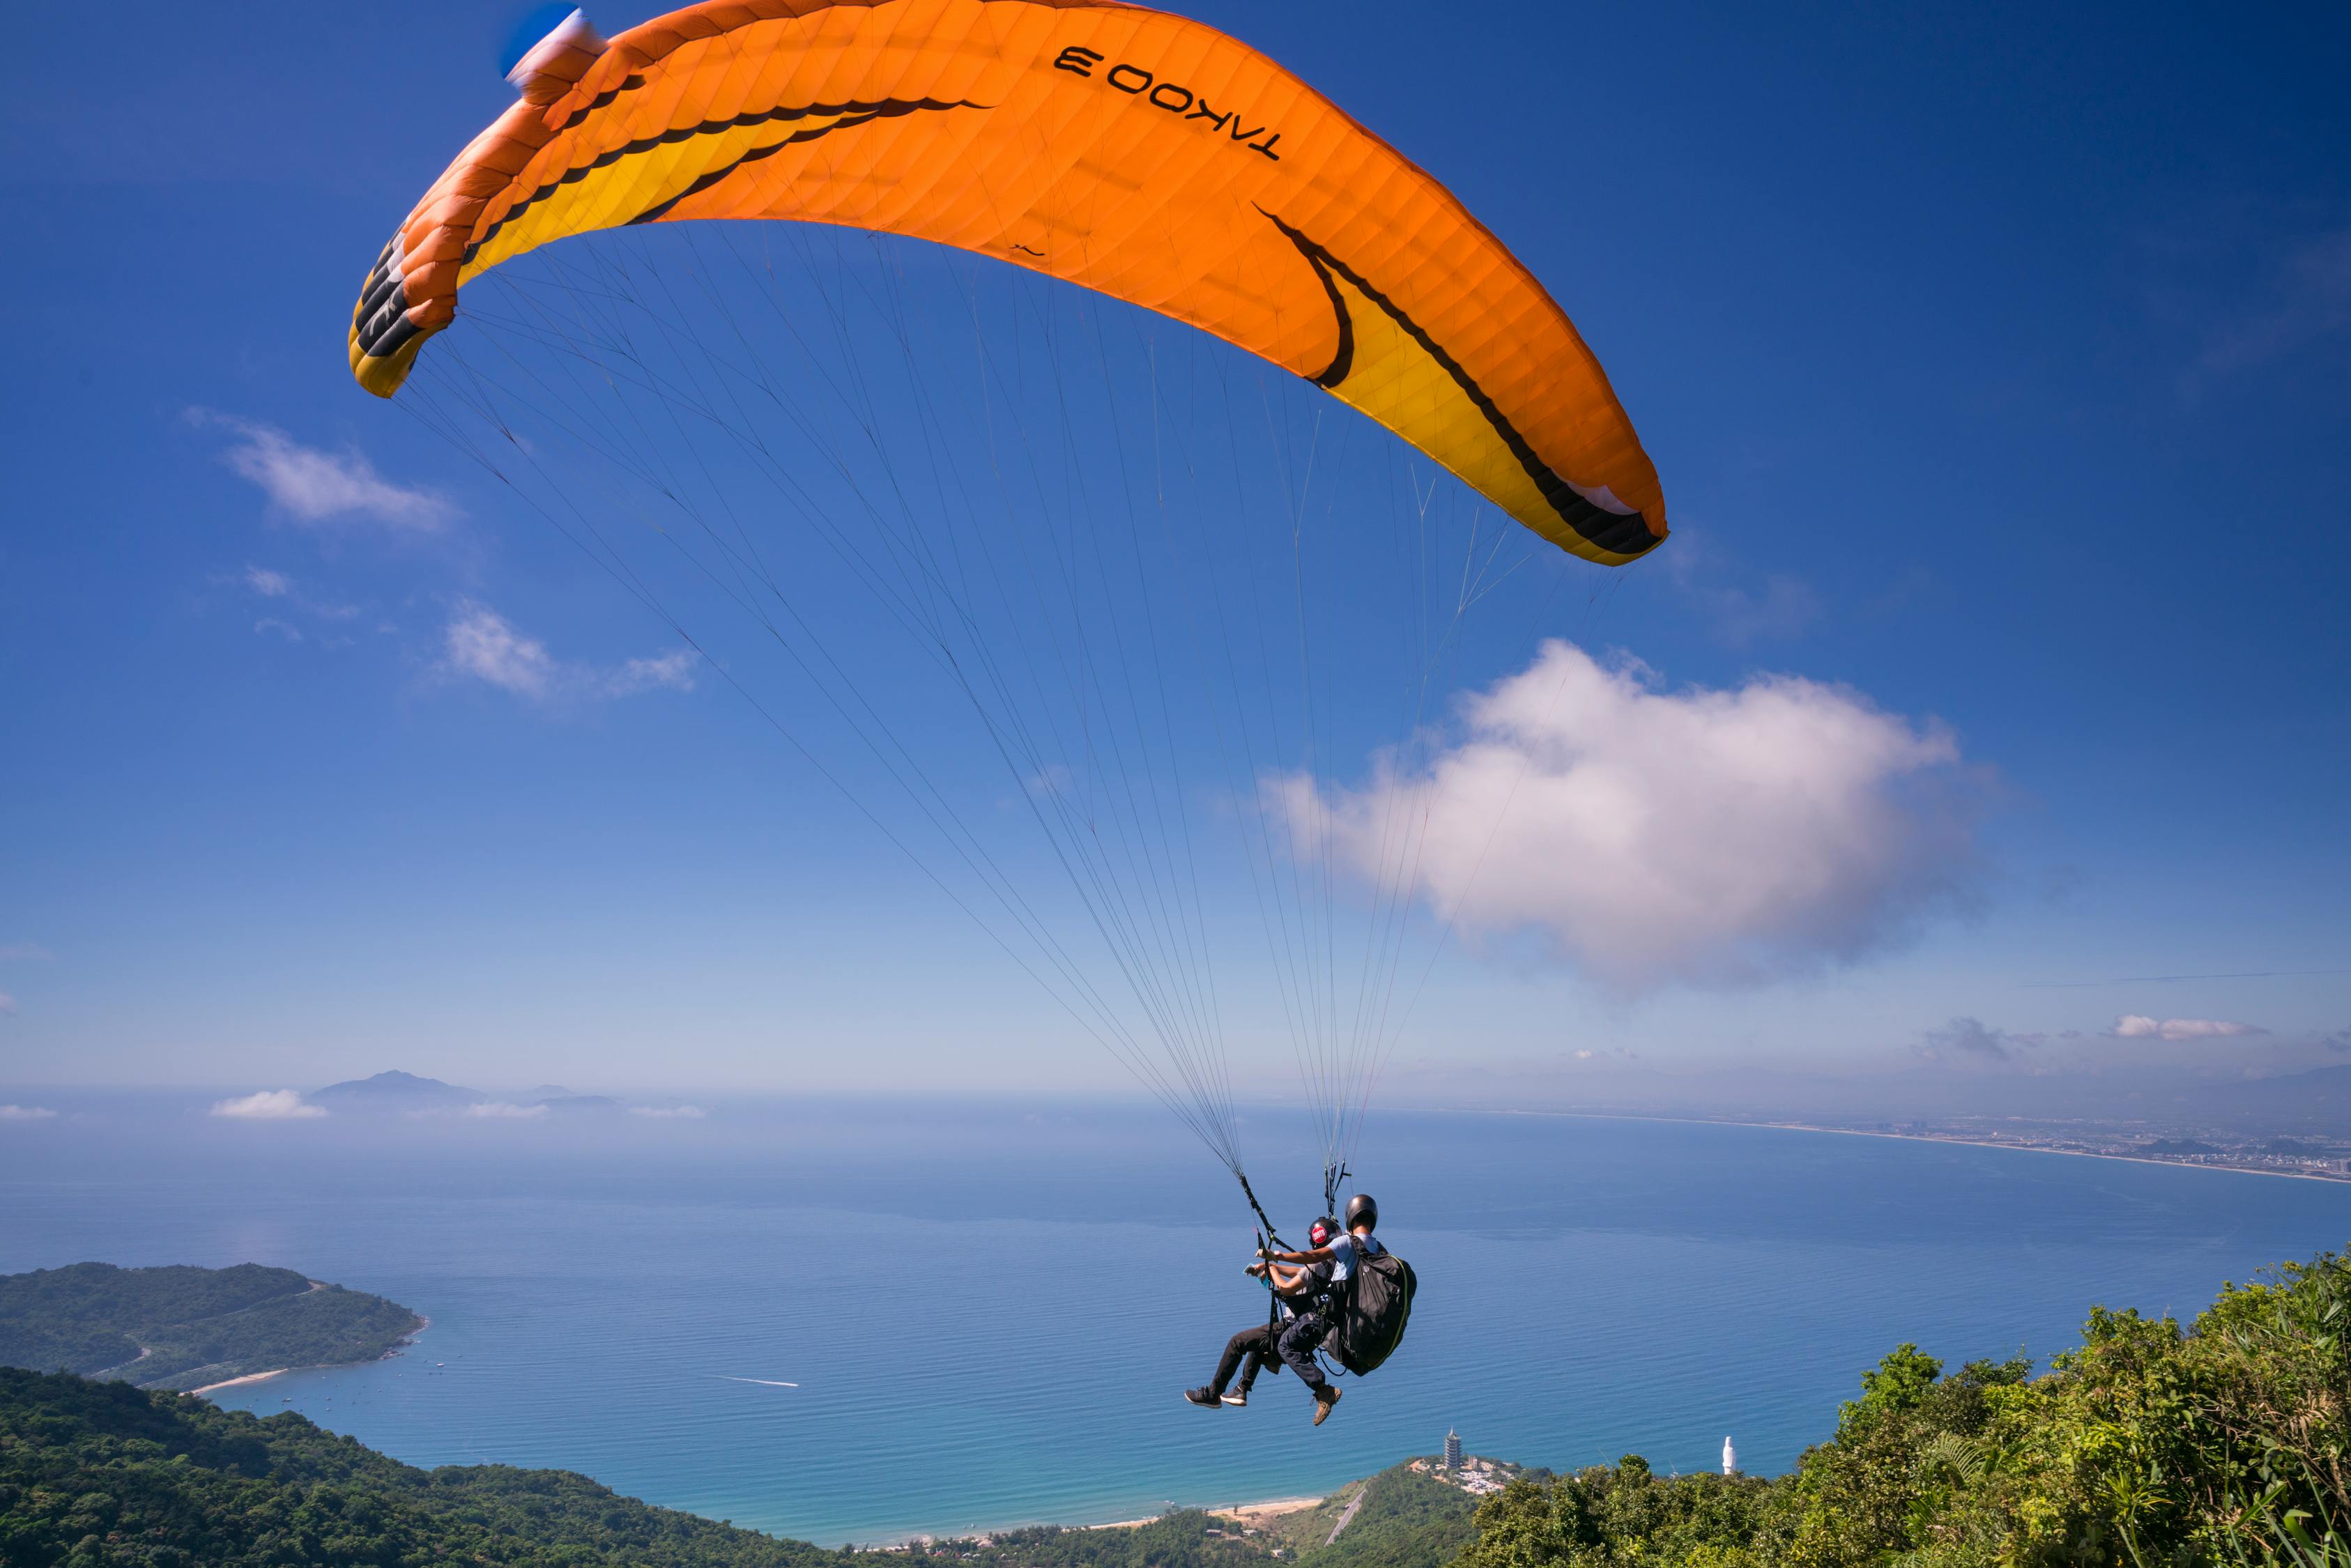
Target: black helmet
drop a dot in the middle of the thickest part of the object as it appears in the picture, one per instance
(1362, 1211)
(1322, 1231)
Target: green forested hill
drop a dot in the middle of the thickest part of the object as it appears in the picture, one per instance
(2225, 1443)
(1405, 1519)
(2222, 1444)
(1183, 1537)
(102, 1475)
(183, 1327)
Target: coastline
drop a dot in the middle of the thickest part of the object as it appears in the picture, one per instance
(1251, 1514)
(1906, 1138)
(1246, 1512)
(2034, 1149)
(423, 1323)
(233, 1382)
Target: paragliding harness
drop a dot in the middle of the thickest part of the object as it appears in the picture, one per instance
(1372, 1312)
(1367, 1312)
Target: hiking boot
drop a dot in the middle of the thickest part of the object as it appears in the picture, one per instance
(1204, 1397)
(1323, 1399)
(1238, 1398)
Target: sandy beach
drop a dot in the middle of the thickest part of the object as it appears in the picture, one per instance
(248, 1377)
(1250, 1513)
(1259, 1512)
(423, 1323)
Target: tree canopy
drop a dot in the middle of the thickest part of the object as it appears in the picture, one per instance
(182, 1327)
(103, 1474)
(2221, 1442)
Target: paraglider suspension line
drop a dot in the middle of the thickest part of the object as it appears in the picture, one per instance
(1273, 1234)
(1334, 1177)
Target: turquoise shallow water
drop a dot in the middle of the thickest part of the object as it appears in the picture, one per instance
(989, 1310)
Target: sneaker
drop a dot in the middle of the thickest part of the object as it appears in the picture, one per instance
(1323, 1399)
(1205, 1397)
(1238, 1398)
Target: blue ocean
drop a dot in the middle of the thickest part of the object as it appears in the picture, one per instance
(862, 1321)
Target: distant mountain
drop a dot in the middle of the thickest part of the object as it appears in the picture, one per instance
(405, 1093)
(396, 1092)
(2292, 1146)
(2315, 1101)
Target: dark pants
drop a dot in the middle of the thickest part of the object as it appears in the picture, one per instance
(1254, 1344)
(1296, 1348)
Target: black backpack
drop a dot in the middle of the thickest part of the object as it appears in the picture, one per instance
(1372, 1313)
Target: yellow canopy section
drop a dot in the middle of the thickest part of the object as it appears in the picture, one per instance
(1125, 150)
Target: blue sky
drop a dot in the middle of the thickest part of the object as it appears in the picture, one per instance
(1997, 364)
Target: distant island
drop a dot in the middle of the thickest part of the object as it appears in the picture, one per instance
(187, 1328)
(405, 1093)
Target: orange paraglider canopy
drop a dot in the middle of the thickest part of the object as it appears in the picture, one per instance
(1125, 150)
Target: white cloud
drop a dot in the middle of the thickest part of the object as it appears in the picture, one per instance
(672, 672)
(270, 1105)
(316, 487)
(677, 1113)
(271, 623)
(500, 1111)
(269, 584)
(1650, 835)
(1965, 1037)
(7, 1004)
(24, 953)
(480, 645)
(2137, 1026)
(25, 1113)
